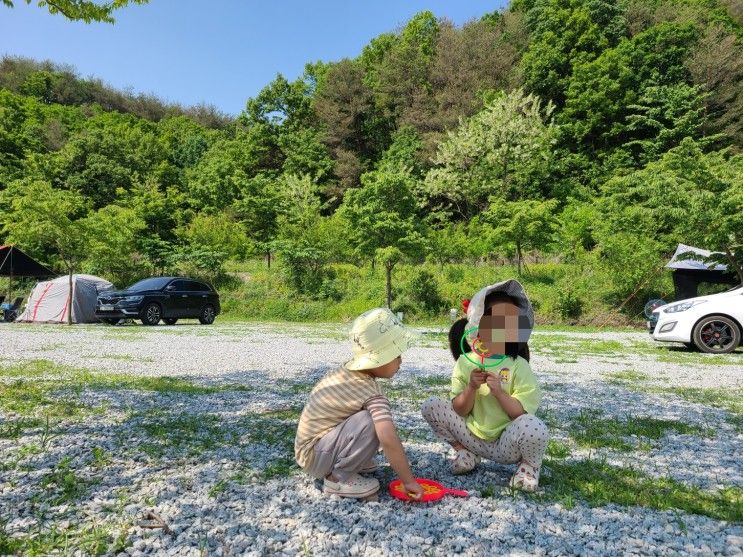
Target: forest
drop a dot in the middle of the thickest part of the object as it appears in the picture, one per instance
(571, 143)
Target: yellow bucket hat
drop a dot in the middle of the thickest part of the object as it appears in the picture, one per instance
(378, 338)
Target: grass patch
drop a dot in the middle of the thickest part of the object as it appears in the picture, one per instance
(37, 398)
(191, 434)
(217, 489)
(718, 397)
(282, 468)
(432, 381)
(627, 376)
(662, 352)
(41, 387)
(14, 428)
(63, 485)
(567, 348)
(729, 399)
(590, 429)
(548, 417)
(91, 539)
(557, 449)
(272, 428)
(599, 483)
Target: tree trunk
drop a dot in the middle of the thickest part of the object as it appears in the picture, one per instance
(734, 263)
(518, 257)
(388, 268)
(69, 303)
(268, 259)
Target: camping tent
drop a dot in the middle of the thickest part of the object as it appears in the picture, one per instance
(49, 301)
(689, 271)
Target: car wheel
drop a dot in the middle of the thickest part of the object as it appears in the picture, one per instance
(207, 315)
(170, 321)
(690, 346)
(110, 320)
(716, 334)
(151, 314)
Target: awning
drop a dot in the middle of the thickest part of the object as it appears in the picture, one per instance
(679, 262)
(13, 262)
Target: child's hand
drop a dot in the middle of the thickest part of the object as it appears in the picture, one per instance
(413, 489)
(477, 378)
(493, 381)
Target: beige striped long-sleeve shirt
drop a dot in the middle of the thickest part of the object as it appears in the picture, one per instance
(337, 396)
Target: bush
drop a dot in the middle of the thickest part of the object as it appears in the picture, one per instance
(569, 304)
(423, 291)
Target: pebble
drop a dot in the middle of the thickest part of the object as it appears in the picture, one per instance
(290, 516)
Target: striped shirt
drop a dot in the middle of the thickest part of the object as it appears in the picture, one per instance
(337, 396)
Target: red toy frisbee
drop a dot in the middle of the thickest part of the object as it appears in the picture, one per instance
(432, 491)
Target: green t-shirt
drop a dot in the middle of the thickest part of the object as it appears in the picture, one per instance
(487, 419)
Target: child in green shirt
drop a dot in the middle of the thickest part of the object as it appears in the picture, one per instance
(494, 393)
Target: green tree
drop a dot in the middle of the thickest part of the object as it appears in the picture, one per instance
(502, 151)
(258, 209)
(41, 218)
(352, 128)
(112, 234)
(602, 91)
(384, 220)
(111, 152)
(223, 173)
(217, 233)
(662, 117)
(566, 33)
(82, 10)
(687, 196)
(306, 240)
(520, 226)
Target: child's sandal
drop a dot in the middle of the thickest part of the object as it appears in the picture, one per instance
(464, 462)
(355, 486)
(526, 478)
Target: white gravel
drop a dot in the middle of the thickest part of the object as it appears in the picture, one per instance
(218, 501)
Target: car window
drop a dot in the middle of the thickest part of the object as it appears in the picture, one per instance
(198, 286)
(154, 283)
(180, 285)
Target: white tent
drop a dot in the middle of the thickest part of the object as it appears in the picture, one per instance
(49, 301)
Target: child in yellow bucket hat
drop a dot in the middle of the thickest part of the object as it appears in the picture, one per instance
(347, 417)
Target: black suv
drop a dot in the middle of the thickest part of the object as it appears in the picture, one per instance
(156, 298)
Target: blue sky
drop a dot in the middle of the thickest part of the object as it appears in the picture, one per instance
(220, 52)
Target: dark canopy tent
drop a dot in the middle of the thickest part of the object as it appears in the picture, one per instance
(690, 270)
(15, 263)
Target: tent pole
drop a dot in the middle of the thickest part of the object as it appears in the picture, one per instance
(10, 280)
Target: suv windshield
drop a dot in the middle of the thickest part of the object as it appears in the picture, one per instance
(155, 283)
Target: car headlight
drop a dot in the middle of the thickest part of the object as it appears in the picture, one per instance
(682, 306)
(132, 299)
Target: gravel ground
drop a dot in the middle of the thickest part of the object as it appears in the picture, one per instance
(215, 464)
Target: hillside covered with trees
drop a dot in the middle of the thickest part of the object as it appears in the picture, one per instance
(572, 142)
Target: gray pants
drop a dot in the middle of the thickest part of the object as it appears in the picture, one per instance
(346, 448)
(524, 439)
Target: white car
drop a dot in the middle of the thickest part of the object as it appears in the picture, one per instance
(712, 323)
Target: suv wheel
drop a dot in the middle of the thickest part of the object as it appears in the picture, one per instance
(170, 320)
(716, 334)
(151, 314)
(207, 315)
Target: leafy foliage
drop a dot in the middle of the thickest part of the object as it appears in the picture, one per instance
(593, 133)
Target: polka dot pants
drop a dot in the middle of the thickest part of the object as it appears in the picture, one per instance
(524, 439)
